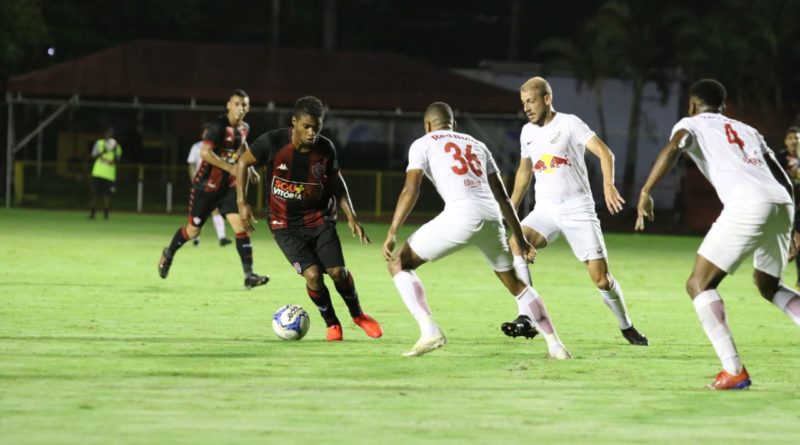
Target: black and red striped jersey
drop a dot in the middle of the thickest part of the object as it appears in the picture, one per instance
(225, 141)
(300, 186)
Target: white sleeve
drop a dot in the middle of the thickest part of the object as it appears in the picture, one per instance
(491, 166)
(686, 143)
(579, 131)
(417, 159)
(765, 150)
(523, 149)
(194, 154)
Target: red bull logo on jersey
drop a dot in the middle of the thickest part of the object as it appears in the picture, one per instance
(291, 190)
(549, 163)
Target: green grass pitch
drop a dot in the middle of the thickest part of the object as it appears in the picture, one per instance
(96, 349)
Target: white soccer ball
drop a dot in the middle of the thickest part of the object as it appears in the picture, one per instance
(291, 322)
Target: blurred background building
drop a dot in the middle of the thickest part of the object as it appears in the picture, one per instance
(157, 70)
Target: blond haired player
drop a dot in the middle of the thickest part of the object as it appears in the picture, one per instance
(466, 177)
(756, 217)
(552, 147)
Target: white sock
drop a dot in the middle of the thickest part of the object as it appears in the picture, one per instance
(413, 294)
(529, 303)
(711, 310)
(788, 301)
(521, 268)
(219, 226)
(616, 302)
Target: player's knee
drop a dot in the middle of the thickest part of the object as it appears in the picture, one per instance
(695, 285)
(337, 274)
(394, 267)
(602, 282)
(192, 231)
(313, 277)
(767, 286)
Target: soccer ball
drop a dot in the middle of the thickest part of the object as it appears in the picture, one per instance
(291, 322)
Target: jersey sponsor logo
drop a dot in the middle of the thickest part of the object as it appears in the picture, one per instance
(283, 167)
(549, 163)
(291, 190)
(317, 170)
(555, 138)
(472, 182)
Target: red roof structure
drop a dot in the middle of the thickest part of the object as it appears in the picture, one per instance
(165, 71)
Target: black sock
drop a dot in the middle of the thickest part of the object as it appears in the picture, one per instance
(245, 249)
(178, 240)
(105, 213)
(349, 294)
(92, 212)
(322, 299)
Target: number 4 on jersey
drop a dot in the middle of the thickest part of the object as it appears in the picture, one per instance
(733, 136)
(471, 163)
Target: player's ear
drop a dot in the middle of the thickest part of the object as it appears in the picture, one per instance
(455, 125)
(294, 121)
(428, 126)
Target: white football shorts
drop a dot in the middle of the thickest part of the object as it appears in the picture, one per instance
(450, 232)
(763, 229)
(576, 219)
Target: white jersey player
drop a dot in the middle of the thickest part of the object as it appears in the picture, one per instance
(466, 177)
(756, 217)
(552, 149)
(194, 162)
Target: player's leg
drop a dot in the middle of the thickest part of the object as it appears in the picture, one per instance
(219, 227)
(435, 239)
(491, 241)
(611, 293)
(298, 248)
(95, 191)
(402, 270)
(734, 236)
(328, 249)
(200, 205)
(244, 246)
(539, 229)
(108, 191)
(702, 288)
(769, 261)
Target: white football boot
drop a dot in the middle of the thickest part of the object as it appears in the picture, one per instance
(427, 344)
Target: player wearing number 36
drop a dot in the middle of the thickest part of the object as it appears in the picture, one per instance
(466, 177)
(756, 217)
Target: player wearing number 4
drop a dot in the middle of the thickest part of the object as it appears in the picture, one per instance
(466, 177)
(756, 217)
(553, 146)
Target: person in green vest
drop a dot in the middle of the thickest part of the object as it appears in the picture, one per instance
(106, 154)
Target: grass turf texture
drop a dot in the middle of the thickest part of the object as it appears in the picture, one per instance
(95, 348)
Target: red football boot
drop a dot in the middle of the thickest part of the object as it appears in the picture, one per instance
(725, 380)
(369, 325)
(334, 333)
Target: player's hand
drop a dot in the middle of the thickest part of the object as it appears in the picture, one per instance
(358, 230)
(527, 251)
(253, 175)
(247, 218)
(388, 247)
(614, 200)
(644, 210)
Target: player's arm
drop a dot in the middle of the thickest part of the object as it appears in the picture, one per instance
(207, 154)
(599, 148)
(405, 203)
(664, 162)
(510, 215)
(346, 204)
(522, 181)
(240, 170)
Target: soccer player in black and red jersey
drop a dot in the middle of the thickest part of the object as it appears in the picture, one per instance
(214, 187)
(304, 185)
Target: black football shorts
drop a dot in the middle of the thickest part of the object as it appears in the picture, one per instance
(202, 203)
(308, 246)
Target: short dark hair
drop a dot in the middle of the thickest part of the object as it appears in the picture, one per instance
(309, 105)
(239, 93)
(793, 129)
(711, 92)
